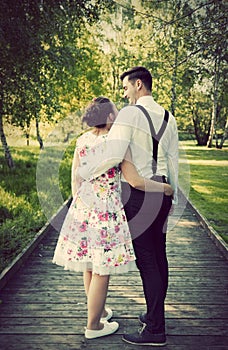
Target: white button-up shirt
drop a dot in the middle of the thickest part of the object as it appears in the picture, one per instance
(131, 129)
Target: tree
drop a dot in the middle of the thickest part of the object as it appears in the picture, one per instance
(210, 45)
(37, 53)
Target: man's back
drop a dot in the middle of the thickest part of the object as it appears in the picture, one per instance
(132, 127)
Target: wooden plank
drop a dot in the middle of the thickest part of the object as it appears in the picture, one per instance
(77, 341)
(133, 296)
(129, 286)
(120, 310)
(69, 325)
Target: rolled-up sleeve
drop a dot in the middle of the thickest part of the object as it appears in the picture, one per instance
(173, 156)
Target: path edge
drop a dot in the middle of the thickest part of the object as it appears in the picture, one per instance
(19, 260)
(216, 238)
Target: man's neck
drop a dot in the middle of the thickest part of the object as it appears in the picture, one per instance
(144, 93)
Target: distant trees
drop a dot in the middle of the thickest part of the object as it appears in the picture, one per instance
(184, 44)
(56, 55)
(210, 43)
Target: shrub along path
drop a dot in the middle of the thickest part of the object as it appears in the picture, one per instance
(44, 307)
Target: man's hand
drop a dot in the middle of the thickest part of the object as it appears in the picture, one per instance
(168, 190)
(76, 182)
(172, 209)
(79, 179)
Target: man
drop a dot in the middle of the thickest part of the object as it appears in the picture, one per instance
(146, 213)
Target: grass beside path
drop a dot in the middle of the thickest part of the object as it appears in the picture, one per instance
(209, 185)
(20, 213)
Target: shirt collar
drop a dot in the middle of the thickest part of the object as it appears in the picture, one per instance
(145, 99)
(149, 103)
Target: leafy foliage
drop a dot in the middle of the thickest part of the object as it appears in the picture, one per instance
(20, 210)
(174, 40)
(57, 55)
(21, 216)
(40, 60)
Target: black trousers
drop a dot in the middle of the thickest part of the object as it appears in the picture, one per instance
(147, 215)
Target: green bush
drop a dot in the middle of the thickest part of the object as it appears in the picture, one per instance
(21, 215)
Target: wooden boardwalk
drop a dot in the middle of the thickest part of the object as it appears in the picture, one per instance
(43, 307)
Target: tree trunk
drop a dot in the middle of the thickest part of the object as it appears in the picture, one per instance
(27, 138)
(215, 102)
(8, 157)
(174, 78)
(27, 133)
(212, 129)
(39, 138)
(224, 136)
(201, 131)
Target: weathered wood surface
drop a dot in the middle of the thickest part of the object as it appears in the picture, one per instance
(44, 307)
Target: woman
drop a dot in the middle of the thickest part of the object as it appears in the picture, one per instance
(95, 237)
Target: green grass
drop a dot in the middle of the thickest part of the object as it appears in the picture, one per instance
(209, 185)
(21, 215)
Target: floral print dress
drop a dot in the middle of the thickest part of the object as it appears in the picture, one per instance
(95, 234)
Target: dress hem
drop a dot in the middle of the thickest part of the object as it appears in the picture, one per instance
(82, 267)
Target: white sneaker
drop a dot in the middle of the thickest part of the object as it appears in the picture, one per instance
(109, 315)
(109, 328)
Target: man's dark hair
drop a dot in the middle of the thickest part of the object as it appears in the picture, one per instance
(139, 73)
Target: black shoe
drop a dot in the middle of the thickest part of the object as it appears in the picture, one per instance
(145, 338)
(142, 319)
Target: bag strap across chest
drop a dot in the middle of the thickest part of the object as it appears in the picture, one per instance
(155, 137)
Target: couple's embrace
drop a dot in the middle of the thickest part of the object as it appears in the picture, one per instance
(124, 180)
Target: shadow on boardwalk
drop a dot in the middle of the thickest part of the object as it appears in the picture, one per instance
(44, 307)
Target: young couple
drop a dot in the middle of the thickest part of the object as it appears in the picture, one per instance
(118, 215)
